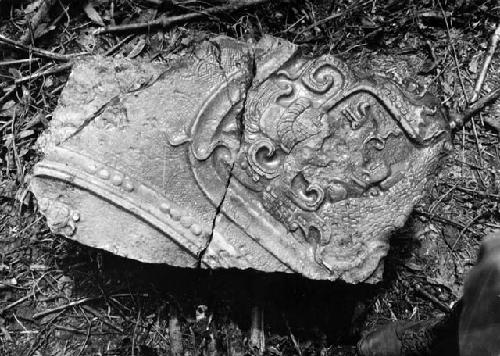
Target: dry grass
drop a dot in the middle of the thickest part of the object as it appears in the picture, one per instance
(60, 298)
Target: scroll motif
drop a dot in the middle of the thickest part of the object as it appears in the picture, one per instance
(326, 74)
(317, 137)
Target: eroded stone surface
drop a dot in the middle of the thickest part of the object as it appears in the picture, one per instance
(134, 148)
(239, 156)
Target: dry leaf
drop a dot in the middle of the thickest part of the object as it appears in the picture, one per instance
(32, 7)
(26, 133)
(139, 46)
(92, 14)
(42, 30)
(493, 116)
(15, 73)
(474, 64)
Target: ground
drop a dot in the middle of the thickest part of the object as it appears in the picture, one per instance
(61, 298)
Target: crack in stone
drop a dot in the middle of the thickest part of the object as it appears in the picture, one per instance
(218, 211)
(86, 122)
(241, 130)
(114, 100)
(218, 59)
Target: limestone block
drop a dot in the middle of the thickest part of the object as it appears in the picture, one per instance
(239, 156)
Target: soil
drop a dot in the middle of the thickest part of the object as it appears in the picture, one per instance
(61, 298)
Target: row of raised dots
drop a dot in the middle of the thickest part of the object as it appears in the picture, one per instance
(116, 179)
(186, 221)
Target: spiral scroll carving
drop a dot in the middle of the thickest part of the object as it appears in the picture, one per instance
(325, 75)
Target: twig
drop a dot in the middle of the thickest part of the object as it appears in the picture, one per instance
(169, 21)
(292, 337)
(102, 318)
(63, 307)
(432, 299)
(289, 28)
(454, 51)
(320, 22)
(36, 20)
(32, 50)
(7, 95)
(71, 304)
(69, 329)
(458, 120)
(469, 224)
(476, 192)
(61, 15)
(153, 2)
(19, 167)
(19, 301)
(134, 333)
(486, 64)
(118, 45)
(257, 337)
(53, 70)
(444, 220)
(455, 59)
(18, 61)
(438, 201)
(87, 337)
(174, 331)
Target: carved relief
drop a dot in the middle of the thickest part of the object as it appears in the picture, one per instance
(302, 166)
(322, 145)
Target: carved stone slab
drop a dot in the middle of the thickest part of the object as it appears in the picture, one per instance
(238, 156)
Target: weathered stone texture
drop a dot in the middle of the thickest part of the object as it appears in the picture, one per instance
(239, 156)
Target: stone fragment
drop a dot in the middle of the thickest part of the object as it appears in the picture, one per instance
(239, 156)
(143, 151)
